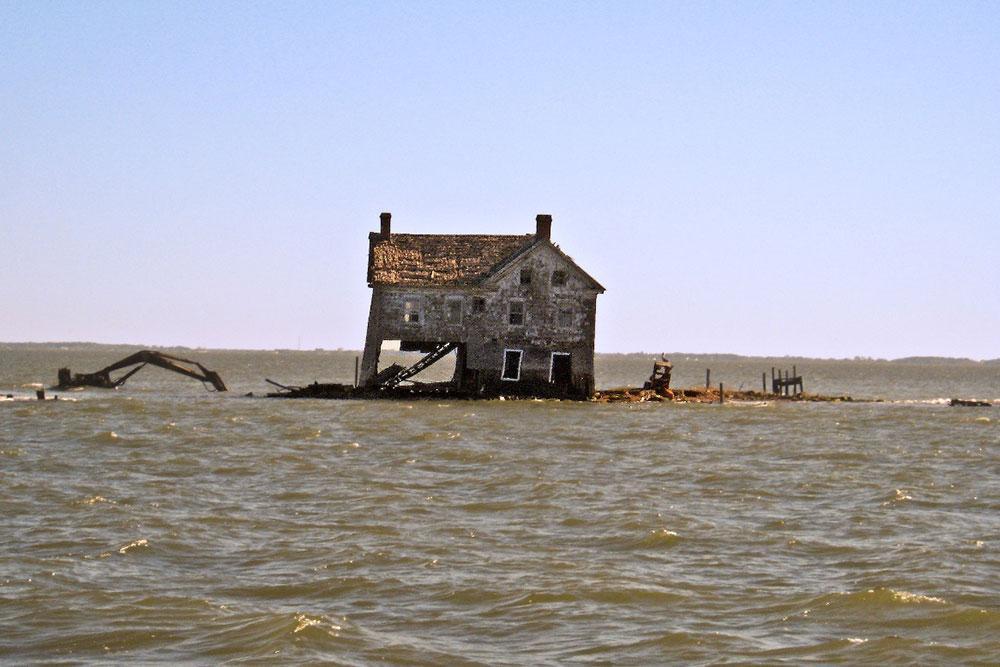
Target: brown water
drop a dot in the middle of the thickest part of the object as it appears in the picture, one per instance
(162, 522)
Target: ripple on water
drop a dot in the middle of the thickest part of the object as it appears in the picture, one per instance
(889, 609)
(267, 635)
(657, 539)
(133, 546)
(104, 437)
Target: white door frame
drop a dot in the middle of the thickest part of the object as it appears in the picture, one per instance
(503, 369)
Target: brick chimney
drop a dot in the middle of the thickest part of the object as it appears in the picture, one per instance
(543, 226)
(386, 220)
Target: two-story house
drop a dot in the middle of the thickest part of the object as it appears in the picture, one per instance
(519, 311)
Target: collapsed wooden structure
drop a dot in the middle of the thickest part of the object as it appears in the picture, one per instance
(785, 383)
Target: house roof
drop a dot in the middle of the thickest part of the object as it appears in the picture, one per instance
(439, 259)
(499, 268)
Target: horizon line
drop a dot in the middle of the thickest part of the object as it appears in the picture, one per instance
(859, 357)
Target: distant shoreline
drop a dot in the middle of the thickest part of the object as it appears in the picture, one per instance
(708, 357)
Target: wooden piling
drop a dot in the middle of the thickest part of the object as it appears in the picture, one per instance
(763, 382)
(708, 378)
(40, 394)
(357, 361)
(722, 398)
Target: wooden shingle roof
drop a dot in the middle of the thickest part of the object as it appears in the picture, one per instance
(439, 259)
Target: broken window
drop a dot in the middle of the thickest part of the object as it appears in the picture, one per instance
(525, 276)
(411, 311)
(511, 365)
(478, 305)
(515, 314)
(558, 277)
(453, 311)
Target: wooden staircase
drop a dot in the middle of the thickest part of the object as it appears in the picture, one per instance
(394, 374)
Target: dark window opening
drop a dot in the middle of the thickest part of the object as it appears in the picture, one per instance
(453, 311)
(565, 318)
(516, 314)
(411, 312)
(479, 305)
(525, 276)
(511, 365)
(558, 277)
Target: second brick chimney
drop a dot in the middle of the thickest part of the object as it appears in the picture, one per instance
(543, 226)
(386, 220)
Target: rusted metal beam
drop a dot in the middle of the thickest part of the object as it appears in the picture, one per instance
(102, 378)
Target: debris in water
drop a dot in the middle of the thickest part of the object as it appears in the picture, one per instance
(102, 378)
(970, 403)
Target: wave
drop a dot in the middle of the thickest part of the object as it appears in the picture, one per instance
(102, 437)
(266, 636)
(898, 607)
(655, 539)
(897, 497)
(134, 545)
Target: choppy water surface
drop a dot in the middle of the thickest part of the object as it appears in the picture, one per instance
(164, 522)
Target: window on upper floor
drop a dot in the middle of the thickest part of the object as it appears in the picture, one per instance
(411, 311)
(515, 313)
(558, 278)
(453, 310)
(479, 305)
(526, 276)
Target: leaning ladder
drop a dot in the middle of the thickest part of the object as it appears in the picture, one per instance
(405, 374)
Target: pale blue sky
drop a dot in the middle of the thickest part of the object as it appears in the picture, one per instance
(797, 178)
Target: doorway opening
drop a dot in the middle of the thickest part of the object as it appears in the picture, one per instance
(561, 372)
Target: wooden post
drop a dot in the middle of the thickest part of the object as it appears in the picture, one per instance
(356, 362)
(774, 387)
(40, 394)
(722, 398)
(763, 382)
(708, 378)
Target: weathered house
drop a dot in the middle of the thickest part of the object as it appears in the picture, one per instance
(519, 311)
